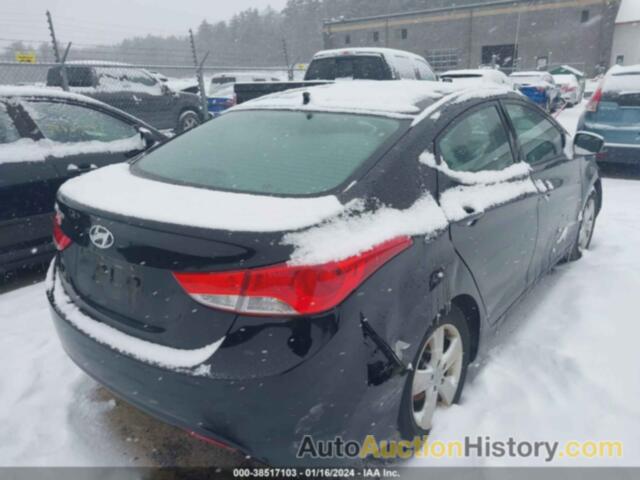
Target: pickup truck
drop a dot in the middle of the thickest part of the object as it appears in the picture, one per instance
(133, 90)
(328, 66)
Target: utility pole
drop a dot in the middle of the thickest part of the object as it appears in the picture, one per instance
(285, 52)
(200, 77)
(56, 51)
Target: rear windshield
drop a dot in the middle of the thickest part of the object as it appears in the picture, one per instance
(356, 67)
(271, 152)
(623, 89)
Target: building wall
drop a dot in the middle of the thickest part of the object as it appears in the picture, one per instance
(626, 42)
(555, 29)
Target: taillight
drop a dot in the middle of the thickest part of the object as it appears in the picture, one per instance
(60, 240)
(594, 101)
(286, 289)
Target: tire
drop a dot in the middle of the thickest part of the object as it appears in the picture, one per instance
(187, 120)
(587, 227)
(414, 401)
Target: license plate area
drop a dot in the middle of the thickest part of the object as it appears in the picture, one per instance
(109, 283)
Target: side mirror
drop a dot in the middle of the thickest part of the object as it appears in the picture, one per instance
(148, 137)
(165, 89)
(587, 143)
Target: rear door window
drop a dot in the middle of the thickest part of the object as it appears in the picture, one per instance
(477, 142)
(272, 152)
(539, 139)
(68, 123)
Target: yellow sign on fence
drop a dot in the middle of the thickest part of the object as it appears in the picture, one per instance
(25, 57)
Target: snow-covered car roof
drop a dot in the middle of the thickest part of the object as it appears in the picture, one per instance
(29, 91)
(387, 52)
(565, 78)
(573, 70)
(470, 71)
(621, 70)
(393, 98)
(98, 63)
(533, 73)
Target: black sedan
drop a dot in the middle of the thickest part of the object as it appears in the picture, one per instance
(317, 262)
(46, 138)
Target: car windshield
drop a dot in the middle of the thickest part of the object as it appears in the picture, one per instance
(271, 152)
(527, 78)
(358, 67)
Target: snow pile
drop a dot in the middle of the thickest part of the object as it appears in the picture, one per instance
(23, 150)
(394, 98)
(160, 355)
(482, 190)
(461, 202)
(27, 150)
(356, 232)
(33, 91)
(147, 199)
(515, 171)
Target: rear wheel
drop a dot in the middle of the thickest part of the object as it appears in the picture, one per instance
(438, 375)
(587, 227)
(188, 120)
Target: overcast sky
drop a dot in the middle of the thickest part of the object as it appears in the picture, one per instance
(108, 21)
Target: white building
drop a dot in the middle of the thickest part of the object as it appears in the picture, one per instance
(626, 36)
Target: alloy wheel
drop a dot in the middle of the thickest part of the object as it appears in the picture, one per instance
(587, 225)
(437, 375)
(189, 122)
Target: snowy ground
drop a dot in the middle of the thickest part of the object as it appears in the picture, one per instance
(566, 368)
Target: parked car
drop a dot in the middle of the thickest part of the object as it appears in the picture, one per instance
(591, 85)
(132, 90)
(47, 137)
(570, 89)
(221, 95)
(613, 112)
(476, 77)
(539, 87)
(335, 275)
(569, 70)
(348, 64)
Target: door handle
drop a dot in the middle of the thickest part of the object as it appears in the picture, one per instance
(472, 216)
(83, 168)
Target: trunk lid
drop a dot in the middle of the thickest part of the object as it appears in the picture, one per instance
(130, 284)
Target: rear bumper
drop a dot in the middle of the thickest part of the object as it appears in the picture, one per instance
(266, 417)
(620, 154)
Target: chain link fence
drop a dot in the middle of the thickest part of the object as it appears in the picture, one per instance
(167, 97)
(170, 88)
